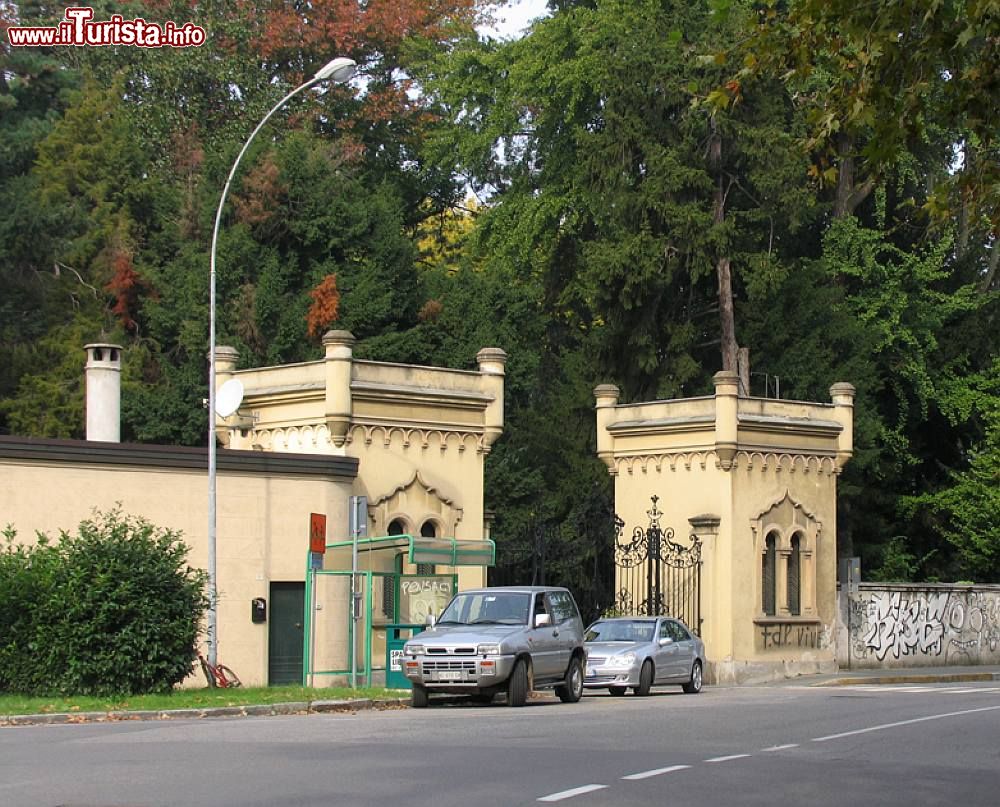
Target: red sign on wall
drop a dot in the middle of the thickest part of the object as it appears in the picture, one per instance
(317, 532)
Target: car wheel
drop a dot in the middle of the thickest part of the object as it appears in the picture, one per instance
(571, 690)
(617, 690)
(693, 687)
(645, 678)
(517, 686)
(483, 697)
(418, 698)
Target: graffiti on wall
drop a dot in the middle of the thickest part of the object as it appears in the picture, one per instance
(790, 634)
(954, 627)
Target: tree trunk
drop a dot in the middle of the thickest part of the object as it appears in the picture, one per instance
(964, 213)
(986, 284)
(727, 318)
(743, 364)
(849, 195)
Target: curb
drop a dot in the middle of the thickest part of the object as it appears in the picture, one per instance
(258, 710)
(909, 678)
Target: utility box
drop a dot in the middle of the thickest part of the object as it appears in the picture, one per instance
(394, 641)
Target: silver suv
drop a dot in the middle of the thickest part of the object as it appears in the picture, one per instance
(490, 640)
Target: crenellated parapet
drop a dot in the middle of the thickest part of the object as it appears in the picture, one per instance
(731, 431)
(340, 401)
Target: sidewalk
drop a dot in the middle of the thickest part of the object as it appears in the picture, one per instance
(902, 675)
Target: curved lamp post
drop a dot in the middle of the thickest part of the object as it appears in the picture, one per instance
(339, 70)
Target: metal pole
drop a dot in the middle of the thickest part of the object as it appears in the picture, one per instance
(354, 593)
(213, 629)
(213, 625)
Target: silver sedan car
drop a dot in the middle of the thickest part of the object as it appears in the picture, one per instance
(641, 652)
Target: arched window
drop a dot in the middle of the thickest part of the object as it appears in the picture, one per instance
(794, 576)
(427, 530)
(396, 527)
(769, 573)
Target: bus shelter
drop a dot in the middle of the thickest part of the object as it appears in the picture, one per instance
(367, 594)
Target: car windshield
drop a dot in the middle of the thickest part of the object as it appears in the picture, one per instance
(621, 630)
(485, 607)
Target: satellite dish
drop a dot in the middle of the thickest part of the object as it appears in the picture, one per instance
(229, 398)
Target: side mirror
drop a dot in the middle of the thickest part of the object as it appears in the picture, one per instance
(541, 620)
(429, 620)
(665, 641)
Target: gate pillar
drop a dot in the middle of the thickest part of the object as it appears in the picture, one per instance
(767, 470)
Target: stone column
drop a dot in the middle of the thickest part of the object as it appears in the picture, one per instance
(726, 403)
(225, 365)
(606, 396)
(781, 558)
(492, 363)
(339, 359)
(842, 395)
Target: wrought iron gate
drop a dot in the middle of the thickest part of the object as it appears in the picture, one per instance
(607, 571)
(655, 575)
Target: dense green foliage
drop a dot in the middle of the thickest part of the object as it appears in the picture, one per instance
(112, 609)
(660, 183)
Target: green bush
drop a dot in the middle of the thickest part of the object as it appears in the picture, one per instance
(111, 610)
(25, 581)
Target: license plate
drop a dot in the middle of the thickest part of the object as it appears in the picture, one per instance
(450, 675)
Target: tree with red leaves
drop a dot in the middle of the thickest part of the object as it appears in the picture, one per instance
(325, 306)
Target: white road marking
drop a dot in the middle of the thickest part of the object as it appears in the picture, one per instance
(568, 794)
(781, 747)
(883, 688)
(726, 759)
(648, 774)
(903, 723)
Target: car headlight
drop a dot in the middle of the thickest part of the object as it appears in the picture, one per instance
(623, 660)
(414, 649)
(488, 649)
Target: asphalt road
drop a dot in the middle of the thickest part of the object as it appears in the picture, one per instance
(790, 745)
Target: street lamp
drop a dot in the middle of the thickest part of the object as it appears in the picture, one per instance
(339, 70)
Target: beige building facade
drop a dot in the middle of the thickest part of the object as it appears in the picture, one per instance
(304, 440)
(752, 484)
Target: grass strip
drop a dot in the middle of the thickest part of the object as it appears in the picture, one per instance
(12, 704)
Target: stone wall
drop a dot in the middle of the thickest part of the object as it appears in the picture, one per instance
(886, 625)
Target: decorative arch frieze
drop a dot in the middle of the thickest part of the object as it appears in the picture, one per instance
(418, 438)
(659, 463)
(785, 463)
(316, 437)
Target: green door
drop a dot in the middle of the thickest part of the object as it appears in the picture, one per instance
(285, 634)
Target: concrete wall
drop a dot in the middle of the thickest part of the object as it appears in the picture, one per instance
(306, 437)
(262, 524)
(883, 625)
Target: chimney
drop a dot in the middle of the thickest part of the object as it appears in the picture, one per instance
(103, 372)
